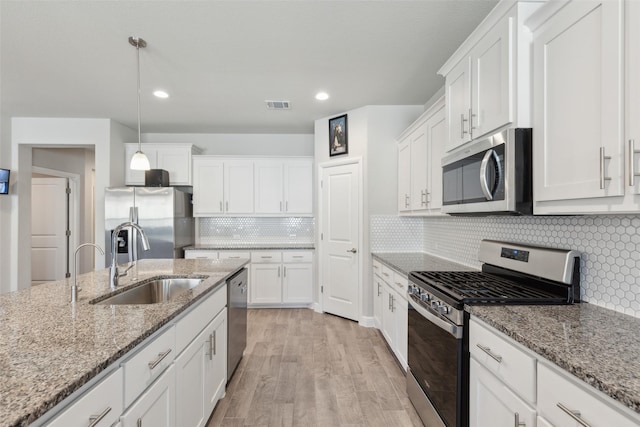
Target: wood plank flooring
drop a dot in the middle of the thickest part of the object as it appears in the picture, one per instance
(303, 368)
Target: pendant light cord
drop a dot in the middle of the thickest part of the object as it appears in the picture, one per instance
(138, 60)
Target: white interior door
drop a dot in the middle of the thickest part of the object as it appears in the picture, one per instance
(341, 240)
(48, 229)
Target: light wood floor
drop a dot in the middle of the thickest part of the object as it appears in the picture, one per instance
(302, 368)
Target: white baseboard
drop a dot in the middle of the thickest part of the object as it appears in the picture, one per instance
(367, 322)
(317, 308)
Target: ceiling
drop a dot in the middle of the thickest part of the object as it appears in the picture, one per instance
(220, 60)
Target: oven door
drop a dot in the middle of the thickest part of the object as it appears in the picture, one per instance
(436, 359)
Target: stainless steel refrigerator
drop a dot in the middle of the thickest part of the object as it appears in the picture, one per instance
(165, 214)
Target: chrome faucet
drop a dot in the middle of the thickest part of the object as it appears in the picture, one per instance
(113, 270)
(74, 287)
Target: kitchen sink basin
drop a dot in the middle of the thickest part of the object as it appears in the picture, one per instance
(152, 292)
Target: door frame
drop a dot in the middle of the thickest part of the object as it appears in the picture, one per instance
(74, 208)
(318, 305)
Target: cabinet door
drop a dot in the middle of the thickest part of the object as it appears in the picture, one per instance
(388, 316)
(297, 282)
(491, 403)
(215, 367)
(190, 379)
(266, 283)
(176, 161)
(135, 177)
(269, 191)
(632, 61)
(208, 177)
(437, 137)
(458, 104)
(401, 311)
(156, 407)
(419, 161)
(377, 301)
(492, 73)
(238, 187)
(298, 187)
(404, 176)
(577, 140)
(543, 423)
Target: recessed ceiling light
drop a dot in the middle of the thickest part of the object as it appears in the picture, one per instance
(161, 94)
(322, 96)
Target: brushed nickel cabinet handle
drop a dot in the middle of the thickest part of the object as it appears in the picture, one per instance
(517, 422)
(471, 127)
(631, 158)
(423, 197)
(352, 250)
(379, 289)
(266, 257)
(462, 131)
(221, 210)
(573, 414)
(286, 206)
(278, 271)
(161, 356)
(490, 353)
(280, 206)
(227, 206)
(95, 419)
(285, 271)
(139, 423)
(603, 178)
(407, 201)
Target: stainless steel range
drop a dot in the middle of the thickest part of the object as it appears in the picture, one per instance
(438, 351)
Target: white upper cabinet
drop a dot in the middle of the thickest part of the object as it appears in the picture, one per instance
(487, 84)
(632, 129)
(222, 187)
(419, 163)
(578, 139)
(284, 187)
(174, 158)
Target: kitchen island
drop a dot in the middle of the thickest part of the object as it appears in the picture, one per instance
(50, 348)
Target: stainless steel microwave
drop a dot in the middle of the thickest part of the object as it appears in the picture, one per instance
(491, 176)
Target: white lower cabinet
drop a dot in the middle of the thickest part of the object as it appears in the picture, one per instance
(101, 405)
(201, 374)
(510, 385)
(391, 309)
(281, 278)
(492, 403)
(156, 407)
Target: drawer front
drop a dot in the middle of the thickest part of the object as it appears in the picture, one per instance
(400, 283)
(377, 267)
(103, 402)
(510, 364)
(146, 365)
(189, 326)
(556, 389)
(233, 255)
(266, 256)
(387, 274)
(203, 254)
(297, 256)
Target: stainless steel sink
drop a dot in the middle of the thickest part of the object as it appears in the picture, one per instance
(152, 292)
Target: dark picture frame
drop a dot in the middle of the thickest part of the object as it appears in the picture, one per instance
(338, 136)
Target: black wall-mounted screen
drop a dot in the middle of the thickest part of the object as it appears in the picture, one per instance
(4, 181)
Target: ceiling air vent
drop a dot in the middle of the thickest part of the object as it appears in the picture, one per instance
(278, 105)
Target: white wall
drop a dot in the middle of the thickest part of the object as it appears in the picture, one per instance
(57, 132)
(371, 136)
(5, 204)
(240, 144)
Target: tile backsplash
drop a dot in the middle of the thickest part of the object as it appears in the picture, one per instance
(610, 247)
(233, 230)
(396, 233)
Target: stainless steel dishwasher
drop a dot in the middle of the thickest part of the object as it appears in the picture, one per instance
(236, 319)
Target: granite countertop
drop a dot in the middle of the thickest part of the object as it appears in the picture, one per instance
(406, 262)
(49, 347)
(597, 345)
(250, 246)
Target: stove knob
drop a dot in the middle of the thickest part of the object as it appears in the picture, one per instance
(443, 309)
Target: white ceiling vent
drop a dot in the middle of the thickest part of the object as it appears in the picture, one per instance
(278, 105)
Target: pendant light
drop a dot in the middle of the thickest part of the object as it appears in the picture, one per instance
(139, 161)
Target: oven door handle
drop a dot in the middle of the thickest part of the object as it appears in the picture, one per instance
(449, 327)
(484, 181)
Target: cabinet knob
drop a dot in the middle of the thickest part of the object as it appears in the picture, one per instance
(352, 250)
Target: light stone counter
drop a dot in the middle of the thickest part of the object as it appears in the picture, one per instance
(49, 347)
(406, 262)
(251, 246)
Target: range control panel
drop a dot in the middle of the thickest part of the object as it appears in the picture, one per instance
(515, 254)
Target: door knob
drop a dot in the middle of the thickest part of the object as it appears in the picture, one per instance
(353, 250)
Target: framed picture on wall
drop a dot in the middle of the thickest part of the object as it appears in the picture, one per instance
(338, 136)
